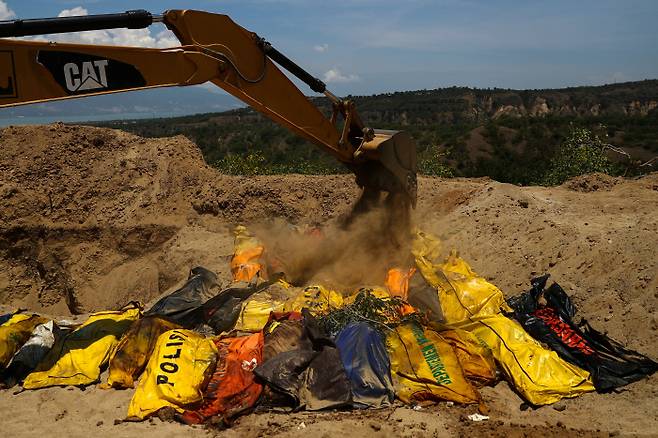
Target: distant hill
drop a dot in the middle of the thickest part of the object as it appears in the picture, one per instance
(157, 102)
(461, 104)
(505, 134)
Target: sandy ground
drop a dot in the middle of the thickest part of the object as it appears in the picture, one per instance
(93, 218)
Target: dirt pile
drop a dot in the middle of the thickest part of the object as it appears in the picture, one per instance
(93, 218)
(600, 245)
(83, 208)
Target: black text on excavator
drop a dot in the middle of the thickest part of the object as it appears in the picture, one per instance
(213, 49)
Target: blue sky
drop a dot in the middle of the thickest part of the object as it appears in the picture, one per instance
(368, 46)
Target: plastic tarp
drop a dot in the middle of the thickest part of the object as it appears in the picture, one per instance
(310, 376)
(233, 388)
(14, 333)
(425, 367)
(285, 335)
(284, 376)
(223, 310)
(176, 375)
(324, 382)
(31, 353)
(611, 364)
(183, 306)
(78, 357)
(476, 359)
(248, 250)
(285, 332)
(130, 356)
(538, 374)
(367, 365)
(462, 293)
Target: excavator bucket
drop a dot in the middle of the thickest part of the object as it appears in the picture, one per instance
(389, 165)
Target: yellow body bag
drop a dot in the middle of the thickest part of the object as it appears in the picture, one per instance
(425, 368)
(255, 313)
(476, 358)
(77, 358)
(14, 333)
(180, 367)
(130, 356)
(462, 293)
(540, 375)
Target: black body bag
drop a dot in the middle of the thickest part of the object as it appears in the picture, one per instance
(610, 363)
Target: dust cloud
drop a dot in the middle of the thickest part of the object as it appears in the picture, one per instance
(343, 255)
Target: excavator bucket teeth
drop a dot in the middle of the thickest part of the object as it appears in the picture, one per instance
(390, 164)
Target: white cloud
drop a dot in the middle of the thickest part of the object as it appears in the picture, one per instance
(336, 76)
(5, 12)
(73, 12)
(111, 37)
(321, 48)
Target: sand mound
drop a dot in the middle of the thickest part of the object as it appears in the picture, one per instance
(93, 218)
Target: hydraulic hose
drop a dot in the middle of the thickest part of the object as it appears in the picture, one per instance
(39, 26)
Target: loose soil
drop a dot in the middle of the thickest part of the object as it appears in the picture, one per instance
(93, 218)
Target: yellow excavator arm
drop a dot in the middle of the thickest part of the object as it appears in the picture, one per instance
(213, 49)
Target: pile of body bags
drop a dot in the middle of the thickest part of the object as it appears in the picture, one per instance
(202, 354)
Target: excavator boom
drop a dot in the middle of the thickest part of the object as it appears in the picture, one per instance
(213, 49)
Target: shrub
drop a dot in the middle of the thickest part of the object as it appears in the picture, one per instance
(256, 163)
(431, 163)
(582, 152)
(243, 164)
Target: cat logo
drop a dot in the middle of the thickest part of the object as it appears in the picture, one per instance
(7, 75)
(84, 73)
(91, 75)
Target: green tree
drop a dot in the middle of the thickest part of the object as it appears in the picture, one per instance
(582, 152)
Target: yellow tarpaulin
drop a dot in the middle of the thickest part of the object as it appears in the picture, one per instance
(181, 365)
(425, 368)
(77, 358)
(462, 293)
(14, 333)
(540, 375)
